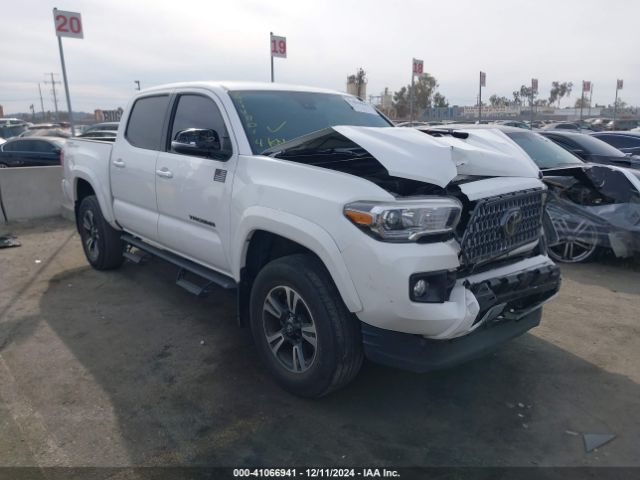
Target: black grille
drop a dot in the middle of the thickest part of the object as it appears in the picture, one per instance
(486, 237)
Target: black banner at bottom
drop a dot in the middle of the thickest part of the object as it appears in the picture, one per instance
(405, 473)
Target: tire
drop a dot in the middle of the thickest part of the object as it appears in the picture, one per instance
(318, 316)
(101, 242)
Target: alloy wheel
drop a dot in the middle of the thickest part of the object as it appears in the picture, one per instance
(91, 235)
(579, 241)
(289, 329)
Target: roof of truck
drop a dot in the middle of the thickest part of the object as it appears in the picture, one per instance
(231, 85)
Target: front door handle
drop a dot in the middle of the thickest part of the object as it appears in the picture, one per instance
(119, 163)
(164, 173)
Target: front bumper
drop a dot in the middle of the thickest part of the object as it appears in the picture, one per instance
(418, 354)
(381, 275)
(508, 306)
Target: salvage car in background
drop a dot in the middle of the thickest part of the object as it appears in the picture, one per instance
(592, 207)
(626, 142)
(591, 149)
(31, 152)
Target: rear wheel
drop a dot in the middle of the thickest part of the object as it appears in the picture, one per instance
(305, 335)
(101, 242)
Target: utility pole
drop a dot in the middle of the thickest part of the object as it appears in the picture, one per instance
(55, 97)
(590, 98)
(581, 104)
(483, 83)
(534, 90)
(137, 82)
(41, 102)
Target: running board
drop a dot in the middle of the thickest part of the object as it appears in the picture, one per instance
(211, 277)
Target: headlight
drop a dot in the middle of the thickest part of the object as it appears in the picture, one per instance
(406, 220)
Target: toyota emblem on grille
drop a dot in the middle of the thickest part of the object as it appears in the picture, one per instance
(511, 221)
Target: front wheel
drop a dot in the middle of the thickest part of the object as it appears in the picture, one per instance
(304, 333)
(101, 242)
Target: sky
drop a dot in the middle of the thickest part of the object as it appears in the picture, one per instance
(161, 41)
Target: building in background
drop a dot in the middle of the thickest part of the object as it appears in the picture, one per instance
(108, 115)
(1, 111)
(384, 103)
(357, 84)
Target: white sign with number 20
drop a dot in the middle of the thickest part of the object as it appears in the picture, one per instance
(68, 24)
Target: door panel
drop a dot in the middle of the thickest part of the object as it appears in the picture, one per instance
(133, 166)
(193, 191)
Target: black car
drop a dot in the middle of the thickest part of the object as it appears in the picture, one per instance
(562, 126)
(31, 152)
(626, 142)
(591, 149)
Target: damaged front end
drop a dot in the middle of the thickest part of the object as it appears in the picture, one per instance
(593, 207)
(500, 271)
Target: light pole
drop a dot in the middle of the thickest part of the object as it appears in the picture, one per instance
(483, 83)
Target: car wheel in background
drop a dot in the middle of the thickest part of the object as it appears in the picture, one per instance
(579, 242)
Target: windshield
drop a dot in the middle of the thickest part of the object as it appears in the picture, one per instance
(270, 118)
(543, 151)
(595, 146)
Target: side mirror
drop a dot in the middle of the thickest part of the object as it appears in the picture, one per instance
(200, 142)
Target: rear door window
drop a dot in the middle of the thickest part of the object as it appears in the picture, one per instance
(13, 146)
(620, 141)
(144, 129)
(40, 146)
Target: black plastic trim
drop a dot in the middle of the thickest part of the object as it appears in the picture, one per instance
(218, 278)
(418, 354)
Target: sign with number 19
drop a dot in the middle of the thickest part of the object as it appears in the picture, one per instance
(278, 46)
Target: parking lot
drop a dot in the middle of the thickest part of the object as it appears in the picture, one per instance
(125, 368)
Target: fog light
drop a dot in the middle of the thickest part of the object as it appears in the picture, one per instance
(420, 288)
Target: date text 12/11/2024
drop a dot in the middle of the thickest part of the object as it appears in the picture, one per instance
(315, 473)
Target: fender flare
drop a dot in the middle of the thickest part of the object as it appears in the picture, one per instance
(102, 193)
(299, 230)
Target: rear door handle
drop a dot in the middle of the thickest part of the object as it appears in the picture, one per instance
(119, 163)
(164, 173)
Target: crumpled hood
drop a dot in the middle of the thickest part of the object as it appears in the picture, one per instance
(410, 153)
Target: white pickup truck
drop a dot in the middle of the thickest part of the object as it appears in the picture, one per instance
(343, 235)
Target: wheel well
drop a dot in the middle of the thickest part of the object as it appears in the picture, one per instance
(263, 248)
(83, 189)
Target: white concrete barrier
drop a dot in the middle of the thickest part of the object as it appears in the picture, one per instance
(30, 192)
